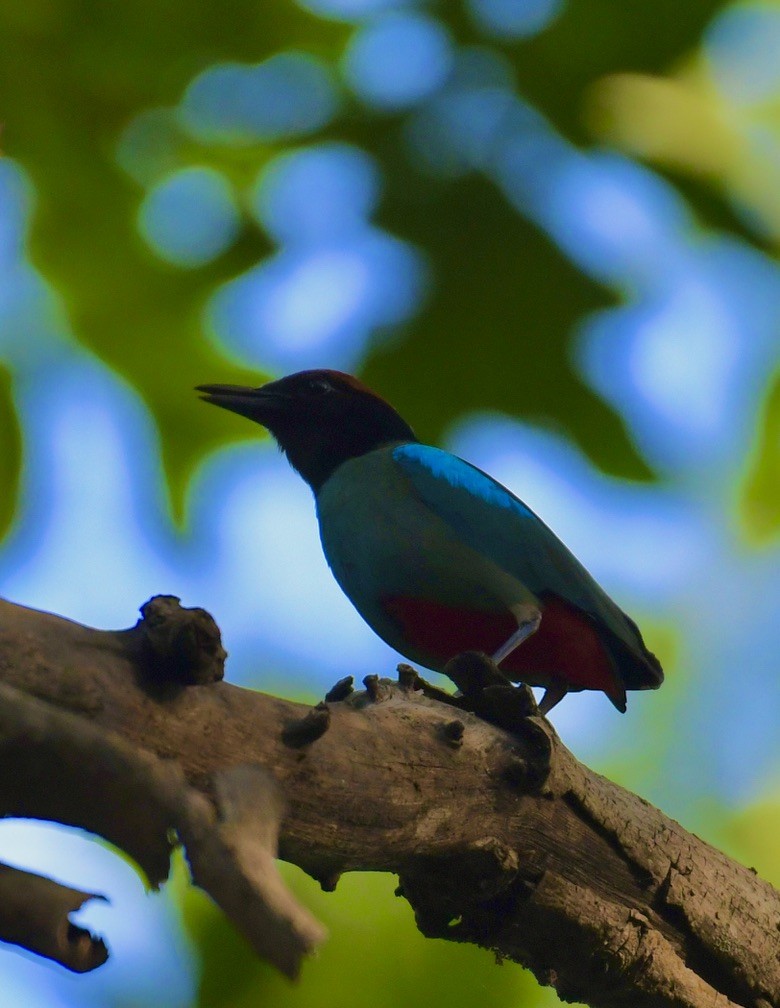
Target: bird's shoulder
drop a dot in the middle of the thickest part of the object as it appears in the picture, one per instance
(368, 482)
(439, 480)
(437, 474)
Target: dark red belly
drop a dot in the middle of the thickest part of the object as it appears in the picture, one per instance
(566, 647)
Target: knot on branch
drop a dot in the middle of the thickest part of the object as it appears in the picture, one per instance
(453, 732)
(179, 645)
(446, 890)
(307, 729)
(529, 765)
(341, 690)
(408, 679)
(377, 689)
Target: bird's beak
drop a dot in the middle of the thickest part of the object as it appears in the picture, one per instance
(258, 404)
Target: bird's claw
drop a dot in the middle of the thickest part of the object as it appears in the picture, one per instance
(473, 671)
(488, 692)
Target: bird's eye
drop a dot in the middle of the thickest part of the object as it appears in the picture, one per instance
(319, 386)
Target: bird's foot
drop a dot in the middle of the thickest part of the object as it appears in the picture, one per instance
(474, 671)
(488, 693)
(484, 690)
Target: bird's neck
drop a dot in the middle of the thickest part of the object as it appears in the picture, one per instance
(317, 459)
(316, 448)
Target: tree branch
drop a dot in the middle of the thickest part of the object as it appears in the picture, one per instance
(34, 914)
(68, 769)
(501, 839)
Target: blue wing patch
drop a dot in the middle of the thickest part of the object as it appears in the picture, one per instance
(424, 459)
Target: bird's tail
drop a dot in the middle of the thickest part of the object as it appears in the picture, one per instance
(638, 668)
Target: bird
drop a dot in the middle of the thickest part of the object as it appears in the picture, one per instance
(437, 556)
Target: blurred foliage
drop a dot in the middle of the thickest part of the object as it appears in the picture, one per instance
(712, 125)
(504, 287)
(81, 71)
(686, 124)
(761, 492)
(10, 453)
(374, 956)
(750, 836)
(76, 72)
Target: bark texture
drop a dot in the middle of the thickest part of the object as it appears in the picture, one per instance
(501, 838)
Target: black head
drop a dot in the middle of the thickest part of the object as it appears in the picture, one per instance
(319, 418)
